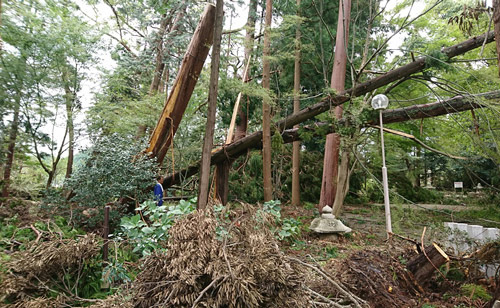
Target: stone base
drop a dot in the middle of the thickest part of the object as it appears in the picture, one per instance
(333, 237)
(328, 226)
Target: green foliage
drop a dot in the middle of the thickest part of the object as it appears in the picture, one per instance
(148, 236)
(112, 169)
(287, 229)
(475, 291)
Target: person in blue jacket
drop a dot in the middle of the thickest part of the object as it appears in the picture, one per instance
(159, 190)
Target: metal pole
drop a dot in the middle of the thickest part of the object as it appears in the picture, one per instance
(385, 183)
(105, 234)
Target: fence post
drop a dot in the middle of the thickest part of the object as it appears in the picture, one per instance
(105, 234)
(105, 248)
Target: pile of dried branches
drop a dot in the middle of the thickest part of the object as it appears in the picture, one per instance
(34, 271)
(377, 276)
(210, 263)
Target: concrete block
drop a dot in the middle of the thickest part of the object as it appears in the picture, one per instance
(475, 232)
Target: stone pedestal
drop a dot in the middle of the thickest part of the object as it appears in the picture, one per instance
(327, 224)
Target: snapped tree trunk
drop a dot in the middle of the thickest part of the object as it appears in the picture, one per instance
(11, 148)
(296, 108)
(332, 144)
(222, 169)
(425, 264)
(183, 86)
(212, 106)
(266, 108)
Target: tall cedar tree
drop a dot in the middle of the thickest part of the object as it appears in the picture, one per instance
(330, 163)
(296, 108)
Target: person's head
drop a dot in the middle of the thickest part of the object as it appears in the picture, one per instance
(159, 179)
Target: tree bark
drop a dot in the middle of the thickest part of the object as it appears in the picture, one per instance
(496, 21)
(332, 144)
(1, 41)
(254, 141)
(183, 86)
(69, 100)
(11, 148)
(266, 108)
(423, 266)
(296, 108)
(222, 170)
(212, 107)
(241, 126)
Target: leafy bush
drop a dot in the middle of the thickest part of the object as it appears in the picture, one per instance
(112, 169)
(147, 237)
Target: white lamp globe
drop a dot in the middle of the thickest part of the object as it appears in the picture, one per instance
(380, 101)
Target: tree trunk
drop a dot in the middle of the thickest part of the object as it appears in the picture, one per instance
(254, 141)
(70, 98)
(222, 181)
(222, 169)
(50, 179)
(11, 148)
(1, 42)
(342, 183)
(296, 108)
(332, 144)
(266, 108)
(183, 87)
(212, 106)
(423, 266)
(496, 21)
(241, 126)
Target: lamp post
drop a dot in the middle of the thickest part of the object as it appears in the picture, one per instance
(380, 102)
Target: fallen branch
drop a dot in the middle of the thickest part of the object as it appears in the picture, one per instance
(411, 137)
(326, 299)
(206, 289)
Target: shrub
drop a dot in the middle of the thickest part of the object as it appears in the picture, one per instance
(112, 169)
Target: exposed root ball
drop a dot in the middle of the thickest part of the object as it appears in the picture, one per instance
(201, 269)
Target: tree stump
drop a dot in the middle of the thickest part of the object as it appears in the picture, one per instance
(423, 266)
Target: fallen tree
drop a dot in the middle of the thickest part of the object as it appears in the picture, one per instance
(254, 141)
(183, 86)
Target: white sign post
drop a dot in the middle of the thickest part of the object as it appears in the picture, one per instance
(458, 185)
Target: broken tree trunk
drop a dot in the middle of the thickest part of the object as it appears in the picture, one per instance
(253, 141)
(183, 86)
(423, 266)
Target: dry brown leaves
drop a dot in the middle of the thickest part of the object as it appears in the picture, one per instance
(30, 271)
(244, 269)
